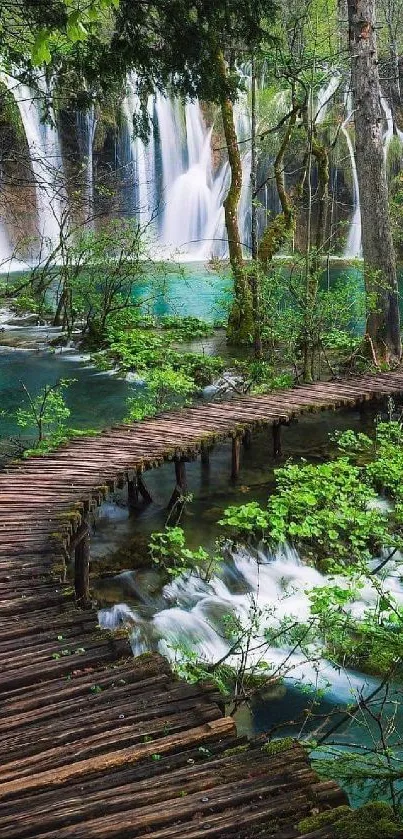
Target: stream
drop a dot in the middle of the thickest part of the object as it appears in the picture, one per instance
(189, 609)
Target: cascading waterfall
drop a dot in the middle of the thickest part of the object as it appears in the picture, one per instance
(171, 182)
(353, 244)
(353, 247)
(5, 247)
(188, 195)
(141, 157)
(86, 128)
(46, 160)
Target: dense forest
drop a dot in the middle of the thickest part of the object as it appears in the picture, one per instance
(202, 202)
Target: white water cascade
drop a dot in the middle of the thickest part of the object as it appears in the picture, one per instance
(5, 248)
(142, 157)
(176, 180)
(174, 183)
(86, 128)
(46, 161)
(353, 248)
(276, 585)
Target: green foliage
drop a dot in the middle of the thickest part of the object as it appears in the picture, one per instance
(396, 211)
(202, 368)
(186, 328)
(262, 377)
(323, 510)
(246, 519)
(374, 640)
(47, 412)
(351, 442)
(165, 389)
(136, 343)
(28, 304)
(325, 324)
(169, 553)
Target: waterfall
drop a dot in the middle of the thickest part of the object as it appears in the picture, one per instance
(5, 249)
(325, 96)
(353, 247)
(144, 201)
(188, 192)
(353, 244)
(175, 182)
(189, 197)
(46, 161)
(86, 127)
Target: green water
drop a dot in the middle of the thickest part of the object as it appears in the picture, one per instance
(96, 400)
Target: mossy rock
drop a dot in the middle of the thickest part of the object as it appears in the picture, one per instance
(373, 821)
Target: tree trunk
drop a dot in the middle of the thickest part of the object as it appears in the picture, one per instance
(240, 325)
(395, 90)
(383, 326)
(282, 226)
(254, 278)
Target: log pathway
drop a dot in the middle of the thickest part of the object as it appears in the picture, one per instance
(93, 742)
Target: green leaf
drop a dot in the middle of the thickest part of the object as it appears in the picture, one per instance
(40, 53)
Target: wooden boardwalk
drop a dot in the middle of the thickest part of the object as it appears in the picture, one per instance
(93, 742)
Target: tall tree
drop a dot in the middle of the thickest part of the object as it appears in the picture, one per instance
(391, 12)
(383, 326)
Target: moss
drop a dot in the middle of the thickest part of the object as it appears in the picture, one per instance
(9, 113)
(276, 234)
(373, 821)
(274, 747)
(237, 750)
(312, 823)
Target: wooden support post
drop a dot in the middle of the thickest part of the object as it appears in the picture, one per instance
(180, 488)
(180, 474)
(236, 450)
(147, 498)
(82, 564)
(277, 450)
(205, 456)
(133, 492)
(247, 439)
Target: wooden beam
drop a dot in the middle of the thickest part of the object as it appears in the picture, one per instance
(133, 492)
(205, 456)
(235, 463)
(146, 496)
(175, 502)
(180, 474)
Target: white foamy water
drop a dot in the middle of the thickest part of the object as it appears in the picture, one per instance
(277, 586)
